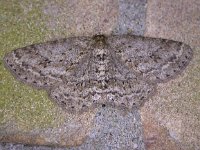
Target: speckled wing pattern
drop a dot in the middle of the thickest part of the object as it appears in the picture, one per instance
(81, 73)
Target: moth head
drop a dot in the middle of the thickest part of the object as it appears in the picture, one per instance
(99, 40)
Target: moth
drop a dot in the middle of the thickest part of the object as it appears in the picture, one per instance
(81, 73)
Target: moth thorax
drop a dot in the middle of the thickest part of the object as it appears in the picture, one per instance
(101, 55)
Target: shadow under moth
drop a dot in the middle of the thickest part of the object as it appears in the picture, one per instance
(80, 73)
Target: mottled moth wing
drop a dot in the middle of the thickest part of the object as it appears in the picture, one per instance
(82, 96)
(82, 72)
(46, 64)
(157, 60)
